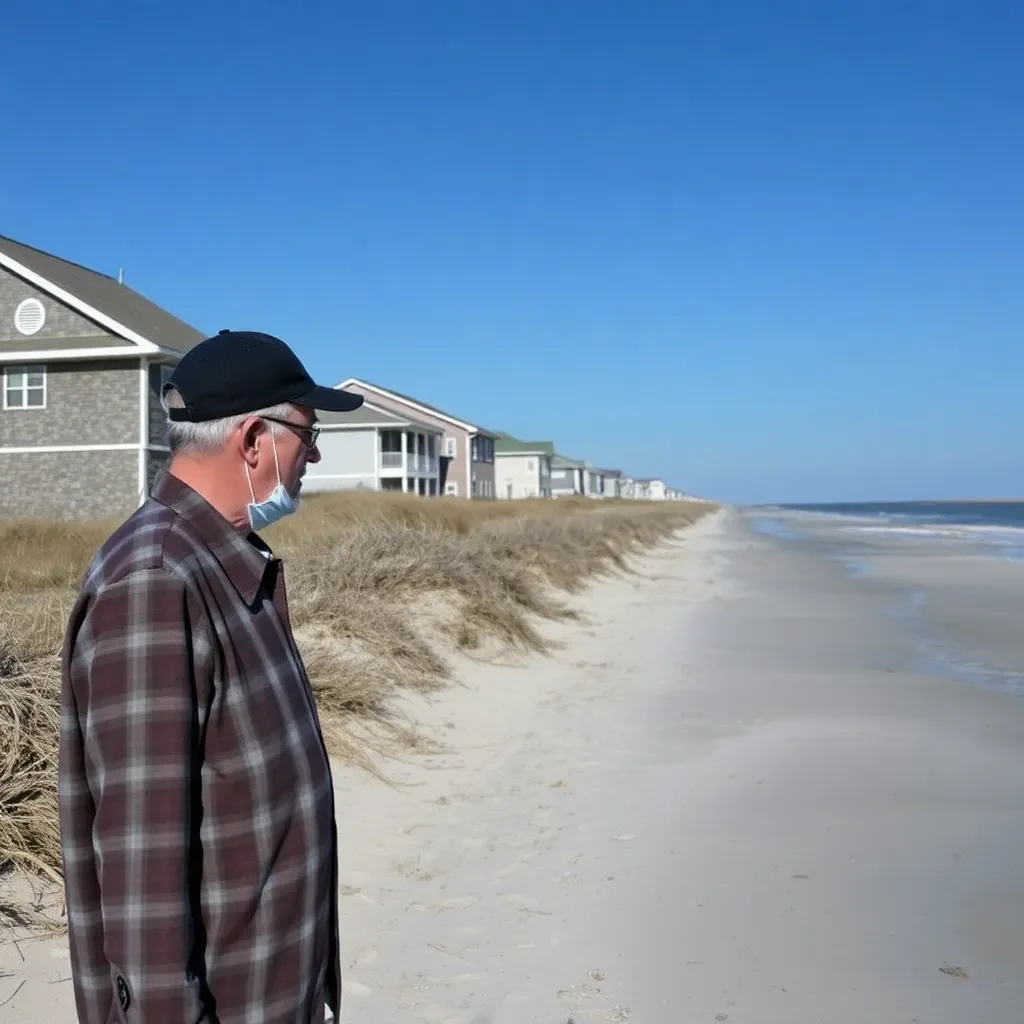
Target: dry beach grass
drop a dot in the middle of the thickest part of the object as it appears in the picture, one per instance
(380, 587)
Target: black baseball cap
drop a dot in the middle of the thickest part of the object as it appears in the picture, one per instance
(236, 372)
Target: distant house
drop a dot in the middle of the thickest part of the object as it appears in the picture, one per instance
(373, 449)
(612, 480)
(593, 480)
(651, 490)
(82, 360)
(522, 468)
(568, 477)
(467, 449)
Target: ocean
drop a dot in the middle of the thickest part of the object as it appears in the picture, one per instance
(996, 526)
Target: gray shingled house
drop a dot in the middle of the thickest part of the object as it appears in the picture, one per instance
(82, 359)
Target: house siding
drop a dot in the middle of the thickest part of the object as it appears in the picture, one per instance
(565, 482)
(63, 327)
(68, 485)
(457, 467)
(348, 460)
(483, 475)
(514, 471)
(94, 402)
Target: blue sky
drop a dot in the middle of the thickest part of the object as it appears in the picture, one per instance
(767, 250)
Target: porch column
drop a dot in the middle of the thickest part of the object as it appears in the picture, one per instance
(405, 462)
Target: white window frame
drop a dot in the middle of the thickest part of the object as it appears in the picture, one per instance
(451, 490)
(26, 369)
(450, 447)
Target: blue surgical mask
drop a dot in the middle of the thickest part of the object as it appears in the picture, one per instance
(280, 503)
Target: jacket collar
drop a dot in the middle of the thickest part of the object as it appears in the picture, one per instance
(245, 559)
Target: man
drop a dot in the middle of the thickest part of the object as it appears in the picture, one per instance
(197, 811)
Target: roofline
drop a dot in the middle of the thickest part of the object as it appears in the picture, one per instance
(398, 423)
(42, 355)
(382, 425)
(74, 302)
(416, 405)
(524, 451)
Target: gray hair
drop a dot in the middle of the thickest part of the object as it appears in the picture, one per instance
(209, 436)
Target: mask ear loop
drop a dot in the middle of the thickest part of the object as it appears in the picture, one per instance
(277, 466)
(248, 480)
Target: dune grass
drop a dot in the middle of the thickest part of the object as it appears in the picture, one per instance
(380, 587)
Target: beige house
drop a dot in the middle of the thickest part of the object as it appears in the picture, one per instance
(467, 449)
(523, 468)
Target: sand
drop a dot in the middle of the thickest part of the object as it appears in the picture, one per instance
(728, 795)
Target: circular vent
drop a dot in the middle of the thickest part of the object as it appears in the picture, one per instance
(30, 316)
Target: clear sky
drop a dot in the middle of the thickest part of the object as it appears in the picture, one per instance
(766, 250)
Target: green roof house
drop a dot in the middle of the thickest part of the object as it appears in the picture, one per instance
(522, 469)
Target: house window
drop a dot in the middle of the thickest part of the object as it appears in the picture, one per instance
(451, 490)
(25, 387)
(449, 447)
(482, 449)
(391, 441)
(531, 465)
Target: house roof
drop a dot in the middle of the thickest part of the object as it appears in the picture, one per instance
(369, 415)
(617, 473)
(509, 445)
(564, 462)
(416, 402)
(91, 292)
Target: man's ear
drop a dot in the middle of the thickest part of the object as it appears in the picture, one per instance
(251, 430)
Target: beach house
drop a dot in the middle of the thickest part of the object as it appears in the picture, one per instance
(467, 448)
(522, 468)
(376, 450)
(82, 360)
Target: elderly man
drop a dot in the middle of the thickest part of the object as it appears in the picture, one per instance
(197, 811)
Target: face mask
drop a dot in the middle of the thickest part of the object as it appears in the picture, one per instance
(280, 503)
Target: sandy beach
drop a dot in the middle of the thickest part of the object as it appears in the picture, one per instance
(742, 788)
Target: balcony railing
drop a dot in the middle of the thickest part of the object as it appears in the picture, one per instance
(415, 462)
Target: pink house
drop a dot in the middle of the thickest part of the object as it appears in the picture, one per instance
(467, 449)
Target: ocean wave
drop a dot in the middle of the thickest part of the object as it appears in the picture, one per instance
(953, 531)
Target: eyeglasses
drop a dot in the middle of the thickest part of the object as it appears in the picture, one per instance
(309, 435)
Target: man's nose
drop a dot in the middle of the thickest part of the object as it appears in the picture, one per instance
(313, 454)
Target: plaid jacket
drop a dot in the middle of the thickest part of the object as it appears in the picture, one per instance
(197, 810)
